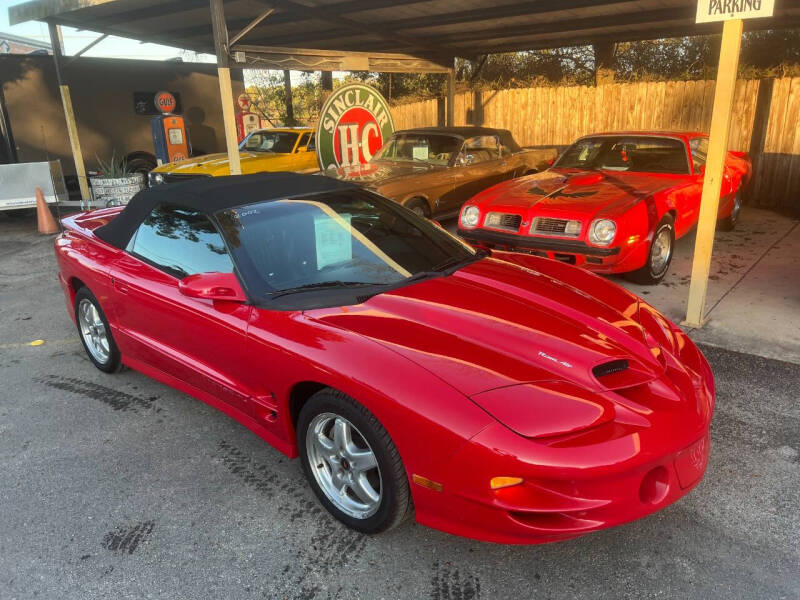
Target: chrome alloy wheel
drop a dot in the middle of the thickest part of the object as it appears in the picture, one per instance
(661, 251)
(344, 465)
(93, 331)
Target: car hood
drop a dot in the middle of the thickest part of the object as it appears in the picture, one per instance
(494, 324)
(214, 164)
(381, 172)
(574, 191)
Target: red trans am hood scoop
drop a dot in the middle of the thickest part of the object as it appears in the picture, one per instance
(494, 324)
(573, 191)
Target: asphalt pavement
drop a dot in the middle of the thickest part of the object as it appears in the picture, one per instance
(120, 487)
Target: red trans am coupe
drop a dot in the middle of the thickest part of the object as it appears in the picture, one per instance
(505, 397)
(611, 203)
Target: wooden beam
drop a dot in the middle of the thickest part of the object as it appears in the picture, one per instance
(249, 27)
(304, 59)
(69, 115)
(87, 47)
(715, 164)
(40, 10)
(225, 89)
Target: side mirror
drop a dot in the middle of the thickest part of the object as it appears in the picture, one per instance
(212, 286)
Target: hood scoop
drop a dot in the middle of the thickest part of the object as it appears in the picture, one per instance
(609, 368)
(585, 180)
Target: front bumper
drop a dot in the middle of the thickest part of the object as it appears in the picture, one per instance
(536, 243)
(548, 508)
(608, 260)
(653, 453)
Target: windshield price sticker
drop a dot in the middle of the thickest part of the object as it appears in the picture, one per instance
(420, 153)
(333, 240)
(710, 11)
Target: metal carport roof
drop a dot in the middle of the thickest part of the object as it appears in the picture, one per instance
(437, 30)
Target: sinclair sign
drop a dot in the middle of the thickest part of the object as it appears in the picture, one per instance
(354, 123)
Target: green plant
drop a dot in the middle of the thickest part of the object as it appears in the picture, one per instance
(113, 168)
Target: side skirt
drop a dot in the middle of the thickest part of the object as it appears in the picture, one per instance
(279, 444)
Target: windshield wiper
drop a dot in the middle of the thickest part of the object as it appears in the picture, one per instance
(321, 285)
(456, 262)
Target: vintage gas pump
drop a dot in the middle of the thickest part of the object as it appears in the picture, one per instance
(169, 131)
(246, 121)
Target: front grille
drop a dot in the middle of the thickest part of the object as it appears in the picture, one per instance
(549, 226)
(505, 221)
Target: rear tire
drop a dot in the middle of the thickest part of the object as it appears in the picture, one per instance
(659, 256)
(351, 463)
(95, 332)
(729, 222)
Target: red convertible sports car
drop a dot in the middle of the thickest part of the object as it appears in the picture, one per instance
(505, 397)
(612, 203)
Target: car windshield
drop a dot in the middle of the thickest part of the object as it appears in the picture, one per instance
(416, 147)
(640, 154)
(343, 239)
(281, 142)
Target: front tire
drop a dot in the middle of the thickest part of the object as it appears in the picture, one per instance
(419, 207)
(351, 463)
(95, 332)
(659, 256)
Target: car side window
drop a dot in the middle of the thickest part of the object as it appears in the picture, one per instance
(311, 147)
(699, 149)
(478, 149)
(303, 141)
(180, 242)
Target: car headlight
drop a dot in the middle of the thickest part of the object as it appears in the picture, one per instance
(155, 178)
(602, 232)
(470, 216)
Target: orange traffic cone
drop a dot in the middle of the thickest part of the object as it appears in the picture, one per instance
(46, 222)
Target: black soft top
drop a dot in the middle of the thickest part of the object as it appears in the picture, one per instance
(209, 195)
(468, 132)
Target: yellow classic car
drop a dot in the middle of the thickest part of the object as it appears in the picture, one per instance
(283, 149)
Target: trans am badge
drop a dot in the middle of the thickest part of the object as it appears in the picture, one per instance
(354, 123)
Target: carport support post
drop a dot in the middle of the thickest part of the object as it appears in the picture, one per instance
(712, 182)
(220, 29)
(69, 115)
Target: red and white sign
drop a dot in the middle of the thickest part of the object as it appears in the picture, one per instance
(165, 102)
(244, 102)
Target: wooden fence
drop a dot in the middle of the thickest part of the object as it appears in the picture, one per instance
(547, 116)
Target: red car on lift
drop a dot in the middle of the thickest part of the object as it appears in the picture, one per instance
(611, 203)
(505, 397)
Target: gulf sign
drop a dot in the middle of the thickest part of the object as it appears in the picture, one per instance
(353, 124)
(165, 102)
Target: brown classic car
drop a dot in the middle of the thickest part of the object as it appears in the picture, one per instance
(434, 170)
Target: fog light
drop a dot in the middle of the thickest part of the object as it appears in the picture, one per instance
(503, 482)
